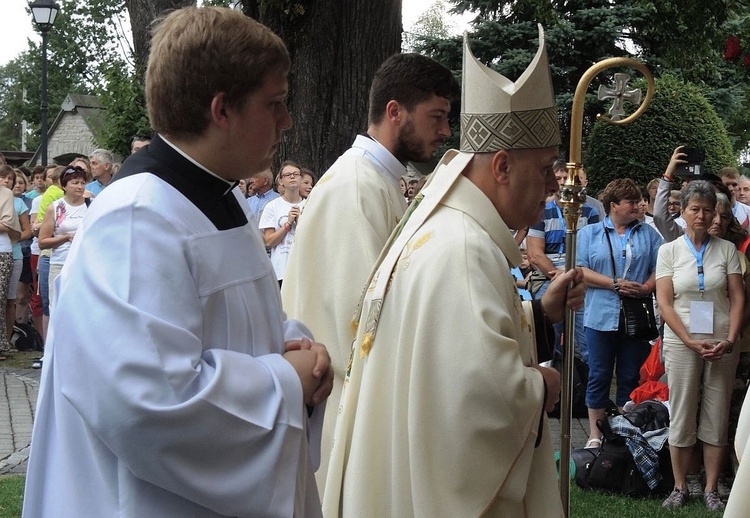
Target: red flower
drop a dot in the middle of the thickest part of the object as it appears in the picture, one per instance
(734, 50)
(747, 60)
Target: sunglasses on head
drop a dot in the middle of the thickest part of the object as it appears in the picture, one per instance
(72, 170)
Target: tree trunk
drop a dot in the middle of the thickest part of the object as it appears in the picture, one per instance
(142, 14)
(336, 47)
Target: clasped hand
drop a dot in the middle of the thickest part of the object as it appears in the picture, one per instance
(313, 365)
(293, 215)
(709, 351)
(632, 288)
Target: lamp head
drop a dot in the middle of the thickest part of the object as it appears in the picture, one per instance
(44, 13)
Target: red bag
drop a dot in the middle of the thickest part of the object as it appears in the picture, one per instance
(650, 390)
(649, 386)
(652, 369)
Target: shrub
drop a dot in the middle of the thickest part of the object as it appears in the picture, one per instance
(679, 114)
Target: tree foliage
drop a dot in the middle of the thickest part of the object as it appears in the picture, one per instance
(432, 23)
(678, 115)
(684, 38)
(89, 52)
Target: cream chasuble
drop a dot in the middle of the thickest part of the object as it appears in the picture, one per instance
(442, 406)
(739, 498)
(345, 223)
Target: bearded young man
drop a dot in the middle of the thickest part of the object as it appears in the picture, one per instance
(443, 407)
(358, 202)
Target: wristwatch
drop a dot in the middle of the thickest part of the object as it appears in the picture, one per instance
(731, 347)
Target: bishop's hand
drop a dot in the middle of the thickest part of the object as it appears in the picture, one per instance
(565, 289)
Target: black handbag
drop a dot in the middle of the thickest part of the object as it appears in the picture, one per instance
(637, 318)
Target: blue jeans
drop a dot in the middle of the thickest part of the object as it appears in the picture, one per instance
(606, 348)
(43, 272)
(581, 345)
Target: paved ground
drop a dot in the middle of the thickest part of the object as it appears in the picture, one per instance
(18, 392)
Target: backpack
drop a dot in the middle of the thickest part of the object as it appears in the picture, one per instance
(580, 382)
(612, 469)
(25, 337)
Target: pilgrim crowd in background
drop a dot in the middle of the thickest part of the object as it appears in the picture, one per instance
(682, 239)
(623, 219)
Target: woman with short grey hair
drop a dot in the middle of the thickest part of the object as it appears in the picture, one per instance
(698, 190)
(701, 297)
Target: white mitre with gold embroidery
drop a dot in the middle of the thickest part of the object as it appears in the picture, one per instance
(497, 113)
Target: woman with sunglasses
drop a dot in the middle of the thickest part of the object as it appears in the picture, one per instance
(61, 221)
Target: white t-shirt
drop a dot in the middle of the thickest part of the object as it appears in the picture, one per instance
(67, 220)
(677, 261)
(742, 213)
(35, 210)
(274, 216)
(5, 244)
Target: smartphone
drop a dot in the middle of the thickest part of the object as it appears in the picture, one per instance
(695, 158)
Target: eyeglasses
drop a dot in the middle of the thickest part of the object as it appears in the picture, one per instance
(290, 175)
(73, 170)
(674, 203)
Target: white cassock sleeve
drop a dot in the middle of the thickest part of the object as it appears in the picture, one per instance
(174, 331)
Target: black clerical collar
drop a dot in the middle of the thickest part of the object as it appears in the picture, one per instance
(226, 183)
(212, 195)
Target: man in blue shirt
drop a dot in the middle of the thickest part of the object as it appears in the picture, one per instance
(101, 168)
(545, 245)
(261, 184)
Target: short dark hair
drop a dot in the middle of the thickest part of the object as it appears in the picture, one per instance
(71, 173)
(618, 190)
(304, 171)
(560, 165)
(409, 79)
(6, 170)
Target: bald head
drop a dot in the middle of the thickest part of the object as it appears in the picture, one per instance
(261, 182)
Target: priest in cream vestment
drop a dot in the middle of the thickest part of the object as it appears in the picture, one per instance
(738, 504)
(357, 203)
(443, 408)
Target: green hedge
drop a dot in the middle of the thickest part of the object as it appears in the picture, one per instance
(679, 114)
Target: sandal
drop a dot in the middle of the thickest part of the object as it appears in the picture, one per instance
(593, 443)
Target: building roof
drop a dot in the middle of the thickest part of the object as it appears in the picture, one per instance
(87, 106)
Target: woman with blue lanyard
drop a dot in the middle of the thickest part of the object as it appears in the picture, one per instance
(618, 257)
(701, 297)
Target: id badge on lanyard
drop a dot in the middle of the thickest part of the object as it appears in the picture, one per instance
(701, 311)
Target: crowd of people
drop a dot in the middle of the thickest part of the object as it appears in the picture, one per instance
(684, 240)
(59, 194)
(260, 343)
